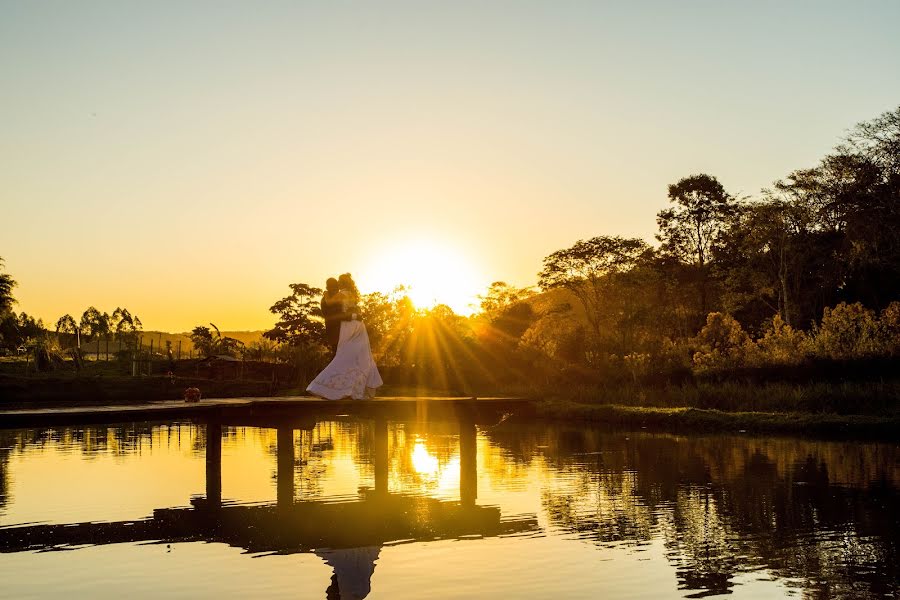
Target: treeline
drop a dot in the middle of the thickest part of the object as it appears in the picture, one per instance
(808, 269)
(22, 334)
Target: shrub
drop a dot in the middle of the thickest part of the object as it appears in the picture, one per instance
(781, 344)
(847, 331)
(889, 328)
(722, 343)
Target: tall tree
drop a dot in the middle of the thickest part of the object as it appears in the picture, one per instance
(126, 326)
(301, 328)
(7, 283)
(94, 323)
(67, 324)
(299, 317)
(689, 229)
(587, 269)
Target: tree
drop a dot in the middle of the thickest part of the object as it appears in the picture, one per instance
(126, 326)
(301, 327)
(772, 260)
(300, 317)
(689, 229)
(94, 324)
(7, 283)
(67, 324)
(211, 345)
(19, 330)
(389, 319)
(500, 296)
(505, 316)
(588, 268)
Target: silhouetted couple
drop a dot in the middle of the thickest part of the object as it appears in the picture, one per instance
(352, 372)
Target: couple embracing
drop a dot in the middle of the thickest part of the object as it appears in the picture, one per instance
(352, 372)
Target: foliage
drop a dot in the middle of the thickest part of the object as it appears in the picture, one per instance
(94, 324)
(18, 331)
(780, 345)
(588, 270)
(46, 354)
(299, 317)
(847, 331)
(7, 283)
(721, 343)
(689, 228)
(261, 350)
(126, 326)
(890, 328)
(214, 345)
(389, 319)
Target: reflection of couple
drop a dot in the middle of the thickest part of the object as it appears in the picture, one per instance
(353, 569)
(352, 372)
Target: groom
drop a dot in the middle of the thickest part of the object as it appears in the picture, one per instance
(333, 312)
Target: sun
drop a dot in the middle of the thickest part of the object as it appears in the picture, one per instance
(432, 272)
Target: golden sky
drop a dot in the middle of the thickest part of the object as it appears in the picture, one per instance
(188, 162)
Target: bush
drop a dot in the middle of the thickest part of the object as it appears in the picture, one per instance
(722, 343)
(889, 328)
(781, 344)
(847, 331)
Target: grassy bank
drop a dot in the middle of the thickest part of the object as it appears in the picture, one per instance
(21, 392)
(849, 408)
(690, 420)
(843, 398)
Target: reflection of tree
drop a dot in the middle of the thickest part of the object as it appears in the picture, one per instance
(6, 446)
(118, 440)
(814, 512)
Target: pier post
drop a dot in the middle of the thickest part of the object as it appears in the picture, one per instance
(214, 464)
(380, 461)
(468, 470)
(285, 479)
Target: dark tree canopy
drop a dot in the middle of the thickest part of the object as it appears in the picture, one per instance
(7, 283)
(688, 229)
(299, 317)
(586, 269)
(94, 323)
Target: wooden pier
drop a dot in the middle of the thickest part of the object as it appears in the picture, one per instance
(262, 412)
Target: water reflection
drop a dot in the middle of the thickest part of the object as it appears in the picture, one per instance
(713, 515)
(822, 515)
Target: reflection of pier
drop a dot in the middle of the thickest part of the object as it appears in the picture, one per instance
(303, 526)
(295, 526)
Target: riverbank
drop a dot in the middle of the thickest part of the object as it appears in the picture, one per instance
(693, 420)
(851, 409)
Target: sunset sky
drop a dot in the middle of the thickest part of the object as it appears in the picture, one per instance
(190, 160)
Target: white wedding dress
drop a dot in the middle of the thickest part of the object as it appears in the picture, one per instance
(352, 372)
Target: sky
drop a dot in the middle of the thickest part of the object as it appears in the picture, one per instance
(189, 160)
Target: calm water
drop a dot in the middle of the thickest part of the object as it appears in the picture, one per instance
(406, 510)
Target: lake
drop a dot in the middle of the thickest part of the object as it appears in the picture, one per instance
(350, 508)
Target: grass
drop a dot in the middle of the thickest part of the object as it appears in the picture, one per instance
(842, 398)
(687, 419)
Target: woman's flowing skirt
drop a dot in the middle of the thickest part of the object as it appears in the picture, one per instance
(352, 372)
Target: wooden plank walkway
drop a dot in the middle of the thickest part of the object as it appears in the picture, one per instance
(249, 410)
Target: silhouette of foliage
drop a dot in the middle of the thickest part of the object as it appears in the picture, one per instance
(299, 317)
(209, 344)
(7, 283)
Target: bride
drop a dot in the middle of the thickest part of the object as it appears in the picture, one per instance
(352, 372)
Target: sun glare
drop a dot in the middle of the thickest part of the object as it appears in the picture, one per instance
(432, 274)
